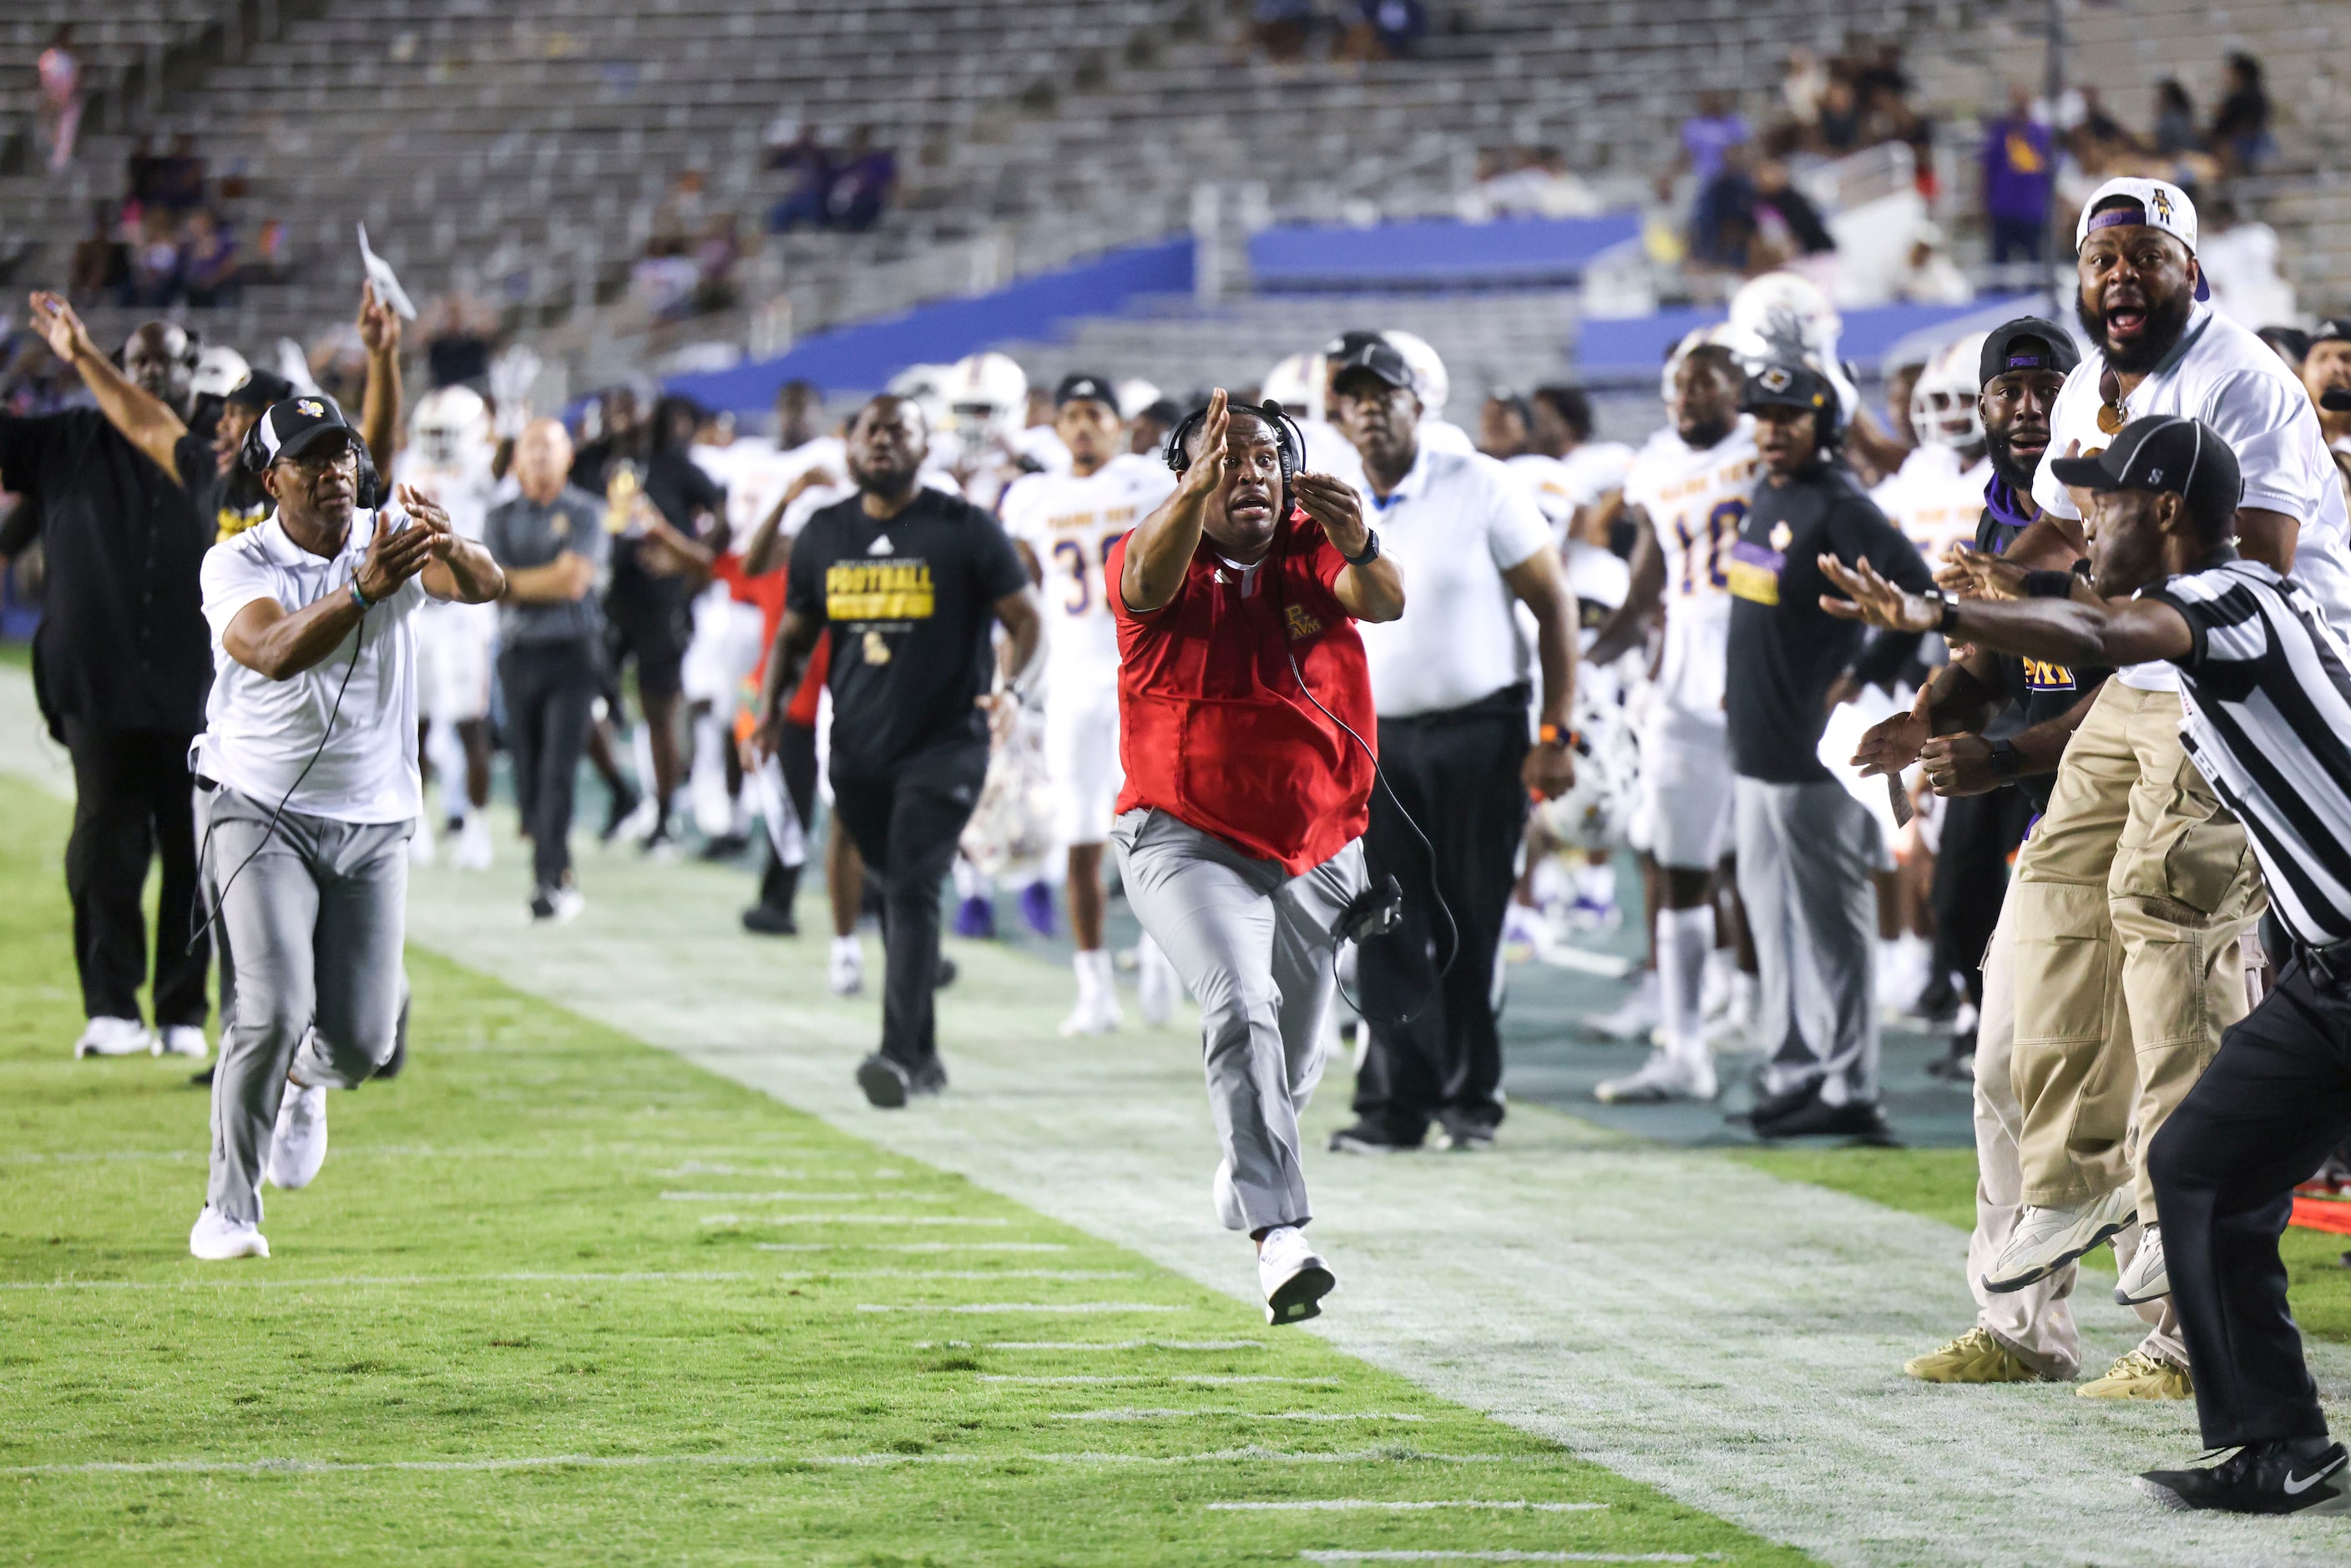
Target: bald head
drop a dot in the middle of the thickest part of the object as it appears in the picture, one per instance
(157, 360)
(542, 459)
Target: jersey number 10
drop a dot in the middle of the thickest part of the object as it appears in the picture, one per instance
(1722, 529)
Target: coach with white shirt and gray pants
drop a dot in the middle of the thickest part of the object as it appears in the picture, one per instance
(1450, 681)
(307, 778)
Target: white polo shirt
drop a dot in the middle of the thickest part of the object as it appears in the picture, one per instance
(2226, 377)
(1455, 524)
(260, 733)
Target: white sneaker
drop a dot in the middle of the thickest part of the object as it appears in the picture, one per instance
(298, 1145)
(845, 970)
(1096, 1014)
(1660, 1077)
(216, 1240)
(113, 1037)
(181, 1039)
(2145, 1278)
(1156, 985)
(1227, 1198)
(1295, 1280)
(2046, 1239)
(1633, 1020)
(473, 851)
(567, 902)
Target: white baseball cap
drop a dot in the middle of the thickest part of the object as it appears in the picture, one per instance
(2161, 206)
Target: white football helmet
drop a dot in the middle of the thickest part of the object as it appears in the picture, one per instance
(1943, 410)
(1428, 377)
(1134, 395)
(220, 371)
(1786, 318)
(1597, 809)
(451, 429)
(987, 396)
(1297, 384)
(924, 386)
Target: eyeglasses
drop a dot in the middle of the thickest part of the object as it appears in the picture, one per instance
(312, 463)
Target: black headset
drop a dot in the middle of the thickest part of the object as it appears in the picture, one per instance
(1378, 910)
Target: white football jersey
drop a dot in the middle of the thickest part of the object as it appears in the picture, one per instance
(1696, 499)
(756, 475)
(466, 493)
(1935, 498)
(1070, 523)
(1562, 486)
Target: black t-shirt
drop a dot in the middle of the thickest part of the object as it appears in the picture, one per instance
(2039, 689)
(1785, 650)
(656, 606)
(911, 604)
(123, 642)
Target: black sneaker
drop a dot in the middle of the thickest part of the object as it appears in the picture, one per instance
(725, 847)
(542, 906)
(201, 1080)
(931, 1078)
(1464, 1135)
(766, 920)
(621, 807)
(886, 1084)
(1773, 1107)
(1817, 1119)
(661, 844)
(1369, 1138)
(945, 975)
(1958, 1065)
(2295, 1475)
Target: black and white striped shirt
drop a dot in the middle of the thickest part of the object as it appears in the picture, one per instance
(2267, 692)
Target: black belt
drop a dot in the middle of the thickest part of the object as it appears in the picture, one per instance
(2329, 966)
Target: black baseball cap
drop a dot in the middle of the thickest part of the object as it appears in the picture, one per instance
(2055, 351)
(2164, 453)
(293, 426)
(1786, 386)
(260, 388)
(2333, 329)
(1375, 355)
(1083, 387)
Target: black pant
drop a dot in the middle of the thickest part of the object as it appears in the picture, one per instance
(133, 799)
(2277, 1097)
(906, 825)
(1979, 834)
(796, 752)
(1457, 774)
(551, 692)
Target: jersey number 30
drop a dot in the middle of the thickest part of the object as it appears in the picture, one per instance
(1721, 530)
(1072, 552)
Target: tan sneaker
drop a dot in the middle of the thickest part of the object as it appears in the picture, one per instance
(1976, 1356)
(2139, 1375)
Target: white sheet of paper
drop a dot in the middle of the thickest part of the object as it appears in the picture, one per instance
(775, 804)
(387, 285)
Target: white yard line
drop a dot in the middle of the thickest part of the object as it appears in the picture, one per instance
(1732, 1339)
(1252, 1455)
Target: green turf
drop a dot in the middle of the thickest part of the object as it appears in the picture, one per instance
(16, 655)
(1941, 1184)
(488, 1269)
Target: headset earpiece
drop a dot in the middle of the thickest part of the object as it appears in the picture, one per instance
(1289, 441)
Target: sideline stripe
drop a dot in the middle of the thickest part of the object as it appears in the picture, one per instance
(1110, 1345)
(1508, 1557)
(910, 1247)
(1142, 1413)
(973, 1274)
(1021, 1307)
(263, 1282)
(807, 1197)
(1247, 1454)
(850, 1219)
(1336, 1504)
(1161, 1377)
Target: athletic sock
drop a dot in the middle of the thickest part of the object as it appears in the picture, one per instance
(1092, 966)
(846, 944)
(1685, 937)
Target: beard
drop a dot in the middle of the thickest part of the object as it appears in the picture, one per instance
(887, 482)
(2165, 320)
(2017, 473)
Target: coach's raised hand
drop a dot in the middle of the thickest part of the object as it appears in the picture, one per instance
(393, 557)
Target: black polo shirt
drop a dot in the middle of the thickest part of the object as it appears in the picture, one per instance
(2039, 689)
(1785, 650)
(912, 604)
(123, 642)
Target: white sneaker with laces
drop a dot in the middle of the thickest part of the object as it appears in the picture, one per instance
(1156, 986)
(473, 851)
(1095, 1014)
(845, 969)
(1227, 1198)
(113, 1037)
(181, 1039)
(1295, 1279)
(298, 1147)
(216, 1240)
(2046, 1239)
(1640, 1013)
(1661, 1078)
(2145, 1278)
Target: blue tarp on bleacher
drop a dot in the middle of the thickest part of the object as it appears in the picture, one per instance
(1435, 253)
(863, 357)
(1638, 346)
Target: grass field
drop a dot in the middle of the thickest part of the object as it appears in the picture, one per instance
(558, 1298)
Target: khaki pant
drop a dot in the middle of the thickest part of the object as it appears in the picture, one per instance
(2131, 896)
(2037, 1321)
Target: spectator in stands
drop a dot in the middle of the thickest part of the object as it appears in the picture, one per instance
(180, 177)
(1838, 126)
(2241, 261)
(2017, 175)
(1279, 26)
(155, 264)
(1801, 85)
(678, 220)
(1384, 29)
(209, 264)
(59, 110)
(1531, 182)
(2240, 137)
(715, 253)
(2175, 130)
(272, 261)
(1929, 277)
(100, 267)
(864, 186)
(1786, 221)
(1707, 138)
(807, 169)
(2091, 118)
(459, 332)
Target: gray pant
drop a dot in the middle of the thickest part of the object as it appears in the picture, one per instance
(1805, 853)
(1254, 944)
(313, 912)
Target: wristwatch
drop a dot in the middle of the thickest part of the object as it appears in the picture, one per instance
(1371, 549)
(1950, 609)
(2005, 762)
(1552, 736)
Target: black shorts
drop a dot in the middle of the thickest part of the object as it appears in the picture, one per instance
(659, 654)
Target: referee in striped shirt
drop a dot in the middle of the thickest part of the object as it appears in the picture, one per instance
(2268, 708)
